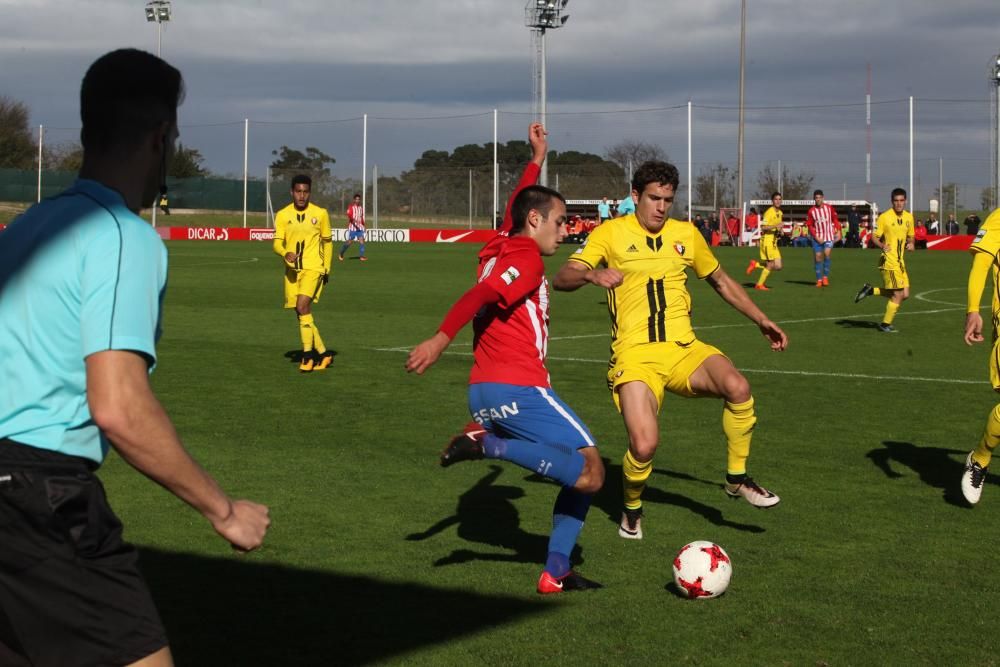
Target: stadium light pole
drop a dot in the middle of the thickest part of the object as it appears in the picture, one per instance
(158, 11)
(542, 15)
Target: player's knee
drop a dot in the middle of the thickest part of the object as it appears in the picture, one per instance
(643, 445)
(736, 388)
(303, 309)
(591, 478)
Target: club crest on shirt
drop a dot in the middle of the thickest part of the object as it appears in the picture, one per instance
(679, 247)
(510, 275)
(315, 221)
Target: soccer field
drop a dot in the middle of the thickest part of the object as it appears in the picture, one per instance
(376, 554)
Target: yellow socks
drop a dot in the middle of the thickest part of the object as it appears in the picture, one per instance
(306, 328)
(877, 291)
(763, 276)
(991, 438)
(634, 475)
(738, 420)
(890, 312)
(318, 340)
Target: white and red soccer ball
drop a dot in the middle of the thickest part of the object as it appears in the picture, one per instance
(702, 569)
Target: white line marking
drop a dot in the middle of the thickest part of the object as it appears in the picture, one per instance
(923, 297)
(188, 266)
(765, 371)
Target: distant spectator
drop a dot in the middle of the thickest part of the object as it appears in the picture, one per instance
(951, 227)
(752, 220)
(972, 224)
(626, 205)
(733, 229)
(853, 227)
(800, 238)
(933, 224)
(164, 203)
(920, 236)
(604, 210)
(865, 235)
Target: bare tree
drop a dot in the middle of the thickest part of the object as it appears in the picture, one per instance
(715, 186)
(634, 153)
(792, 185)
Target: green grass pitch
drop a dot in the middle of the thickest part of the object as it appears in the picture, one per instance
(377, 555)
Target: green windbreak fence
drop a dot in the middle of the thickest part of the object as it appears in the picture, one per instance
(218, 194)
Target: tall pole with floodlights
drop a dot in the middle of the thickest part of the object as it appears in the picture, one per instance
(158, 11)
(542, 15)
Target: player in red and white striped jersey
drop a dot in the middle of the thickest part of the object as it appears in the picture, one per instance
(824, 231)
(355, 228)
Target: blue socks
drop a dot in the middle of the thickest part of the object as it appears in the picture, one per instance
(826, 266)
(567, 521)
(361, 247)
(559, 464)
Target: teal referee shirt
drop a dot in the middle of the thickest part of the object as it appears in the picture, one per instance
(79, 273)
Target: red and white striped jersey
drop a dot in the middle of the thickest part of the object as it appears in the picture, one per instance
(823, 223)
(512, 336)
(356, 218)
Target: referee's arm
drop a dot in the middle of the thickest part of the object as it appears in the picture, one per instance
(124, 407)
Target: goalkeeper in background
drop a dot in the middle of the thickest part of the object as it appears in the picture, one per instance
(303, 239)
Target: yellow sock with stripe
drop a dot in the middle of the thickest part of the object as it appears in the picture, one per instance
(890, 312)
(738, 420)
(983, 452)
(318, 343)
(634, 476)
(763, 276)
(306, 332)
(877, 291)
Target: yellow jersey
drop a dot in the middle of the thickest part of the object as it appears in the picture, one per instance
(988, 241)
(306, 233)
(894, 230)
(652, 304)
(772, 219)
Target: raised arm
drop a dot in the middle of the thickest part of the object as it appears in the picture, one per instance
(573, 275)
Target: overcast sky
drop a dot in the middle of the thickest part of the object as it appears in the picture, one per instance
(429, 73)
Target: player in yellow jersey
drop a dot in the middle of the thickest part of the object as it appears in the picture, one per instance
(894, 236)
(770, 256)
(645, 258)
(985, 251)
(303, 239)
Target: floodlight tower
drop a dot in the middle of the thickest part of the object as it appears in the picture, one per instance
(995, 129)
(158, 11)
(542, 15)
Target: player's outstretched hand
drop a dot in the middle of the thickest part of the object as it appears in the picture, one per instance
(245, 526)
(425, 354)
(777, 337)
(973, 328)
(606, 278)
(539, 144)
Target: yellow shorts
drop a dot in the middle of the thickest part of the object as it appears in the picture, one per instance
(769, 251)
(661, 367)
(895, 279)
(303, 282)
(995, 366)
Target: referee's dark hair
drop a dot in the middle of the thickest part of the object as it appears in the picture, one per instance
(302, 179)
(532, 198)
(126, 94)
(655, 171)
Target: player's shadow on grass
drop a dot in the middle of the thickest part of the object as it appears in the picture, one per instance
(295, 356)
(810, 283)
(236, 611)
(856, 324)
(485, 515)
(935, 466)
(609, 499)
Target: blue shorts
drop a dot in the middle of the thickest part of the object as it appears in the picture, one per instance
(356, 235)
(535, 414)
(820, 246)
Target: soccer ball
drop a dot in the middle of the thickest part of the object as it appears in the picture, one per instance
(702, 569)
